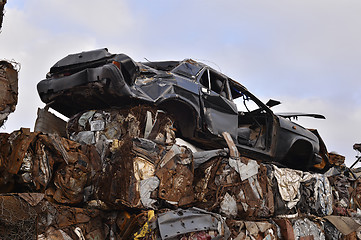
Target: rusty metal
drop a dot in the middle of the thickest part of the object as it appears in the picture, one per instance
(117, 185)
(8, 85)
(252, 230)
(286, 228)
(18, 219)
(337, 159)
(216, 179)
(15, 148)
(176, 176)
(118, 174)
(46, 122)
(233, 152)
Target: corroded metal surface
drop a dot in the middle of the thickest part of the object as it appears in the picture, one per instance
(8, 89)
(121, 175)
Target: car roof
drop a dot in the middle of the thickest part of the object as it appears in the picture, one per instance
(237, 89)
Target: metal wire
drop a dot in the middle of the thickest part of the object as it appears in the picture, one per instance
(17, 219)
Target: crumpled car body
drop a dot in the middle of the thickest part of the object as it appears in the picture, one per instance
(200, 98)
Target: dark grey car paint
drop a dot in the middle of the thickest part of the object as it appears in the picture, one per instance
(98, 79)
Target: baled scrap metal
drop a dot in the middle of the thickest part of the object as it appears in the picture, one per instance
(346, 225)
(111, 132)
(182, 224)
(41, 218)
(341, 195)
(48, 162)
(287, 181)
(219, 187)
(252, 230)
(8, 86)
(175, 173)
(356, 194)
(235, 186)
(117, 184)
(33, 216)
(70, 182)
(73, 176)
(316, 195)
(17, 219)
(306, 229)
(73, 221)
(285, 228)
(258, 184)
(142, 173)
(97, 126)
(131, 225)
(294, 189)
(331, 232)
(14, 148)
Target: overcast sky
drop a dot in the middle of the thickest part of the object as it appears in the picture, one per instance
(305, 53)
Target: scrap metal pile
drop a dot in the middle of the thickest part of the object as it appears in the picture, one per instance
(122, 174)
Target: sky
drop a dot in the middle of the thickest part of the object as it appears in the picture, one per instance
(305, 54)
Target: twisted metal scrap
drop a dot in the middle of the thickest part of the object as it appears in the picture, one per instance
(17, 219)
(2, 3)
(8, 88)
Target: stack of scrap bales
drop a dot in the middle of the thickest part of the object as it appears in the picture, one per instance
(121, 173)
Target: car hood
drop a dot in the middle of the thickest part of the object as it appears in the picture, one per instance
(288, 125)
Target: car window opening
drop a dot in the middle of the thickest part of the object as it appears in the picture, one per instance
(216, 83)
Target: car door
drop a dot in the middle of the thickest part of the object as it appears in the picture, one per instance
(219, 111)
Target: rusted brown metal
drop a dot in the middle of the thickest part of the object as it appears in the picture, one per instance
(253, 196)
(336, 159)
(8, 88)
(252, 230)
(176, 176)
(14, 148)
(233, 152)
(356, 194)
(122, 183)
(18, 218)
(47, 162)
(286, 228)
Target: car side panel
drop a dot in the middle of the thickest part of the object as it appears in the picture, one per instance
(289, 134)
(220, 114)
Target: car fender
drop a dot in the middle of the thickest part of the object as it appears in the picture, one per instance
(291, 133)
(187, 114)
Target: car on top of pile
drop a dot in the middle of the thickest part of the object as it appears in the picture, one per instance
(200, 98)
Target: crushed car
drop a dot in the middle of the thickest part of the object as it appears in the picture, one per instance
(200, 98)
